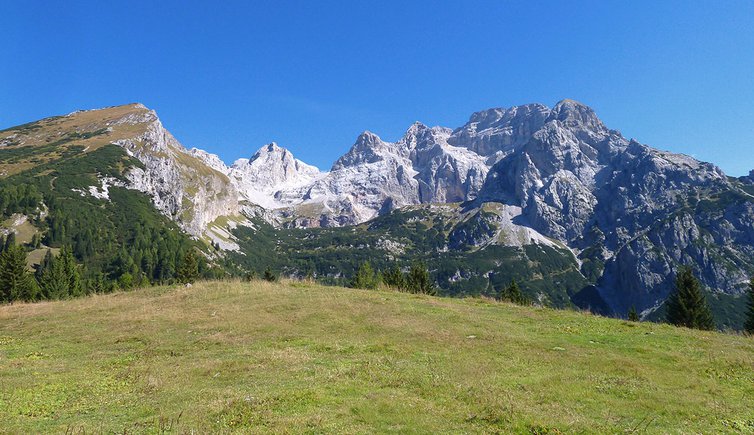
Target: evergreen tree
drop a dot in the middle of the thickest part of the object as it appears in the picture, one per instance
(53, 282)
(418, 280)
(687, 305)
(393, 277)
(749, 324)
(365, 277)
(189, 270)
(126, 281)
(71, 272)
(513, 294)
(16, 283)
(269, 276)
(10, 241)
(633, 315)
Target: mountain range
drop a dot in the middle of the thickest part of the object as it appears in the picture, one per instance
(580, 215)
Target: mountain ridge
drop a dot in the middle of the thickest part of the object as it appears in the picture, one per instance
(612, 207)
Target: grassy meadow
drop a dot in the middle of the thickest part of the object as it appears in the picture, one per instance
(295, 357)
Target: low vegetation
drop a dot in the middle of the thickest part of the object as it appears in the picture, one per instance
(298, 357)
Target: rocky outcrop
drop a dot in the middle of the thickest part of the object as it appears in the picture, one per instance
(188, 186)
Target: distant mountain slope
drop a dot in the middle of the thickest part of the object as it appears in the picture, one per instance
(181, 186)
(620, 215)
(113, 186)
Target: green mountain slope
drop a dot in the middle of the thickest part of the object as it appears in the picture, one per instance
(296, 357)
(52, 181)
(466, 249)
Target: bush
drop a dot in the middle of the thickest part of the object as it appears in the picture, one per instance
(269, 276)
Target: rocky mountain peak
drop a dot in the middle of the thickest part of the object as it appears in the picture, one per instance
(572, 113)
(368, 148)
(500, 130)
(272, 151)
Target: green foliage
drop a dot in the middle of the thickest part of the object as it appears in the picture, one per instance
(419, 281)
(189, 270)
(123, 235)
(22, 199)
(394, 277)
(10, 241)
(687, 305)
(366, 277)
(16, 283)
(126, 281)
(512, 293)
(269, 275)
(749, 324)
(59, 277)
(633, 315)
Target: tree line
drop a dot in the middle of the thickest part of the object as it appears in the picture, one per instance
(61, 277)
(417, 280)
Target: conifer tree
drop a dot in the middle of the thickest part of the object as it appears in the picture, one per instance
(393, 277)
(71, 272)
(16, 283)
(126, 281)
(418, 280)
(513, 294)
(687, 305)
(53, 282)
(10, 241)
(365, 277)
(633, 315)
(189, 270)
(749, 323)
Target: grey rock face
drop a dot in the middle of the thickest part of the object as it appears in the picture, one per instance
(639, 211)
(182, 184)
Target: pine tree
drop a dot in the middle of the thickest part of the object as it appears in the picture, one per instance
(71, 271)
(269, 276)
(393, 277)
(189, 270)
(749, 324)
(365, 277)
(53, 282)
(16, 283)
(687, 305)
(10, 241)
(126, 281)
(633, 315)
(418, 280)
(513, 294)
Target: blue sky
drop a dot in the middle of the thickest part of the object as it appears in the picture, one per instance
(231, 76)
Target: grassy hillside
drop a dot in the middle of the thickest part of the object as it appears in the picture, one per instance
(296, 357)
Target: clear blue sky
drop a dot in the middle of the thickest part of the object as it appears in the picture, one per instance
(231, 76)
